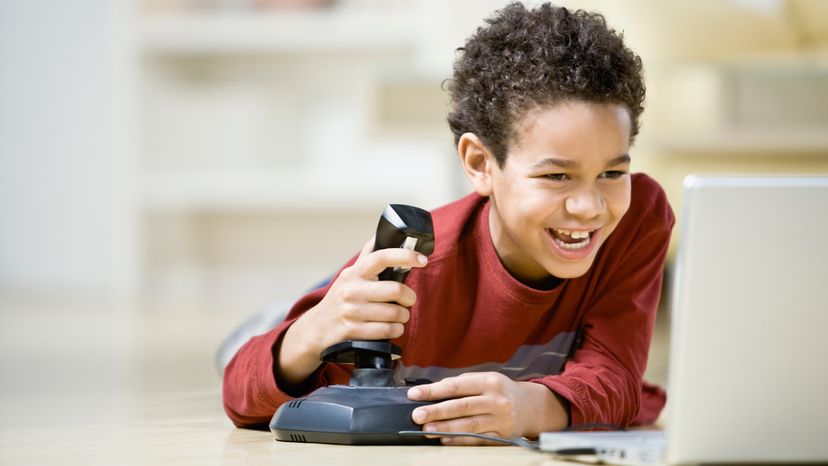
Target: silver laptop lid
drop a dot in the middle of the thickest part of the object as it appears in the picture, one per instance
(748, 375)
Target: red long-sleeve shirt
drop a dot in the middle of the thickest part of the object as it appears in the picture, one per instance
(471, 315)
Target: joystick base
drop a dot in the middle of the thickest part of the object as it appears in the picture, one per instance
(346, 415)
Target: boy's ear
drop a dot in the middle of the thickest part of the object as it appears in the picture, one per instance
(478, 162)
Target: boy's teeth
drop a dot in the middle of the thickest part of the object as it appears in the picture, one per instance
(583, 239)
(573, 234)
(578, 245)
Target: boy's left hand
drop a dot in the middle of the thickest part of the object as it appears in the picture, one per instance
(486, 403)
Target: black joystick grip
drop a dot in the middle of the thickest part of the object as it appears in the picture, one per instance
(400, 226)
(404, 226)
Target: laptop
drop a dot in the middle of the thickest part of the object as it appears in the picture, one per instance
(748, 375)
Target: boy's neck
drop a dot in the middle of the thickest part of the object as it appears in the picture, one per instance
(546, 284)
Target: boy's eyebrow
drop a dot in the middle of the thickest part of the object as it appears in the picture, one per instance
(620, 160)
(570, 164)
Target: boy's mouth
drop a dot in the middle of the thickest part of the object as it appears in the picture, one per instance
(571, 239)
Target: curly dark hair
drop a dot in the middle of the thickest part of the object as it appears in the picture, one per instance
(526, 59)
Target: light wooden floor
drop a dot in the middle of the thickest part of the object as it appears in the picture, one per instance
(90, 382)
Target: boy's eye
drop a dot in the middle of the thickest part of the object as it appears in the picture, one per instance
(613, 174)
(556, 176)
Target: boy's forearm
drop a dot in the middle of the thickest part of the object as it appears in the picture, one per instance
(295, 359)
(544, 411)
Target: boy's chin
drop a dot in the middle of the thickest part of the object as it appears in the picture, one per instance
(565, 271)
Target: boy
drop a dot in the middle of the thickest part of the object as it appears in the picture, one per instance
(536, 309)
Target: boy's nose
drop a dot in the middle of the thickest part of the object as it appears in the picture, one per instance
(586, 203)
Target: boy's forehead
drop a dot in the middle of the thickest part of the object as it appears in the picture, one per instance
(571, 125)
(526, 121)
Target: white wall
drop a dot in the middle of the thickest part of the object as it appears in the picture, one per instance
(87, 206)
(67, 216)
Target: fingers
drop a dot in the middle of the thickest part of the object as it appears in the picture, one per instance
(363, 320)
(390, 292)
(359, 293)
(377, 312)
(370, 265)
(473, 441)
(359, 306)
(475, 402)
(376, 331)
(474, 424)
(455, 387)
(486, 424)
(451, 409)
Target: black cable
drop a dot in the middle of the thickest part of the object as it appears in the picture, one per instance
(522, 442)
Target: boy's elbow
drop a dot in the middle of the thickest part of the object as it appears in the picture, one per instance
(611, 398)
(239, 397)
(242, 408)
(244, 421)
(627, 401)
(235, 407)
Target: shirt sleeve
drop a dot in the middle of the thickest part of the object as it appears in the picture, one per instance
(603, 380)
(251, 391)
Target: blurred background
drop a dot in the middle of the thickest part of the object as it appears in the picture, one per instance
(169, 167)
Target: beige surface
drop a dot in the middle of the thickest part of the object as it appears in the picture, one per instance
(186, 429)
(91, 382)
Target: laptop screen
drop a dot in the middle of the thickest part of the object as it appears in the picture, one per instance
(749, 346)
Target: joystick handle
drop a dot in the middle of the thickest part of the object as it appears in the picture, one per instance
(400, 226)
(407, 227)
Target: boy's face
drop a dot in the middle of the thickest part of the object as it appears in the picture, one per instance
(563, 189)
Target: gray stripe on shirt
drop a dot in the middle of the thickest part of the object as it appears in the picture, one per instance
(528, 362)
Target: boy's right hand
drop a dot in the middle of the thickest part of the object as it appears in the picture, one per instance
(357, 306)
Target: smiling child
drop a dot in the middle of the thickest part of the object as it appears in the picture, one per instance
(536, 310)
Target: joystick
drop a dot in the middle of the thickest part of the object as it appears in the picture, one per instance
(374, 407)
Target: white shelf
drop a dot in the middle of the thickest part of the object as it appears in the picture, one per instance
(285, 192)
(290, 32)
(772, 142)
